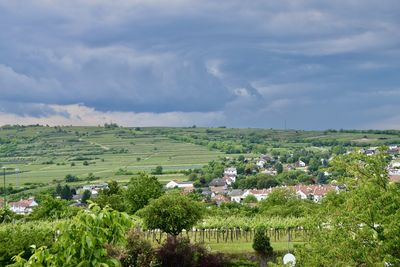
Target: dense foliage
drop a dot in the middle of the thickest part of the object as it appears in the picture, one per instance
(172, 213)
(359, 227)
(81, 241)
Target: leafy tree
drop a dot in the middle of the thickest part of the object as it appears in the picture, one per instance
(113, 196)
(279, 168)
(262, 246)
(141, 189)
(158, 170)
(86, 196)
(171, 213)
(250, 199)
(6, 215)
(364, 220)
(283, 202)
(81, 241)
(66, 193)
(52, 208)
(58, 190)
(71, 178)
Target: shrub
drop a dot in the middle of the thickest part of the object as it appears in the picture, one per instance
(179, 252)
(17, 238)
(139, 252)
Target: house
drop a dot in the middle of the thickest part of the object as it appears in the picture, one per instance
(300, 164)
(217, 190)
(230, 171)
(260, 163)
(219, 199)
(260, 194)
(265, 158)
(236, 195)
(314, 192)
(217, 182)
(24, 206)
(185, 185)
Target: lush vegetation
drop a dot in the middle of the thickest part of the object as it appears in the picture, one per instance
(135, 222)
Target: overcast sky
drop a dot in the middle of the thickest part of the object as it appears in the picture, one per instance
(314, 64)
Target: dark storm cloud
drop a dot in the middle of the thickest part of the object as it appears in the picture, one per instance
(314, 64)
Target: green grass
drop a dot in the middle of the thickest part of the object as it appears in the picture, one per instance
(246, 247)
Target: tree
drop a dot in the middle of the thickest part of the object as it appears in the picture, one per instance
(279, 168)
(66, 193)
(262, 245)
(250, 199)
(364, 220)
(113, 196)
(141, 189)
(172, 213)
(71, 178)
(52, 208)
(86, 196)
(158, 170)
(58, 190)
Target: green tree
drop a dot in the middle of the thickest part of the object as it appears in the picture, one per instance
(86, 196)
(6, 215)
(66, 193)
(58, 190)
(51, 208)
(158, 170)
(141, 189)
(250, 199)
(172, 213)
(113, 196)
(279, 168)
(262, 246)
(69, 178)
(359, 226)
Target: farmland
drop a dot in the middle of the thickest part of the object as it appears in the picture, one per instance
(45, 155)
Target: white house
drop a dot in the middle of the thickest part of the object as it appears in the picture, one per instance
(260, 194)
(260, 163)
(230, 171)
(300, 163)
(175, 184)
(24, 206)
(236, 195)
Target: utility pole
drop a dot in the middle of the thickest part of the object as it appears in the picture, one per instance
(4, 186)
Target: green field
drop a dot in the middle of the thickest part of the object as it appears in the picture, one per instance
(45, 155)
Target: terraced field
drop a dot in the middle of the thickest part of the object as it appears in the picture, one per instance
(45, 154)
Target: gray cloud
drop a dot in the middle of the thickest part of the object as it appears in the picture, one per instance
(312, 63)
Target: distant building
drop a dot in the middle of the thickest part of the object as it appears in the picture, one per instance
(260, 163)
(314, 192)
(236, 195)
(24, 206)
(230, 171)
(300, 164)
(175, 184)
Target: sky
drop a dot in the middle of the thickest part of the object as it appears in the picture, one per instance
(299, 64)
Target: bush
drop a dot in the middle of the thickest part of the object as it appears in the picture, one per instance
(139, 252)
(17, 238)
(179, 252)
